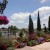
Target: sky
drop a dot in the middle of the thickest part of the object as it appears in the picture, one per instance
(18, 11)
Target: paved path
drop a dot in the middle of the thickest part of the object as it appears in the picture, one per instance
(44, 46)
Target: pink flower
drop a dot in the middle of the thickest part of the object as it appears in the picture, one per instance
(31, 36)
(3, 20)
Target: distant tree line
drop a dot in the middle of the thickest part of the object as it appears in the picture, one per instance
(12, 29)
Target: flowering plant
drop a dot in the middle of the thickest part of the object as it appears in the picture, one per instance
(3, 20)
(40, 39)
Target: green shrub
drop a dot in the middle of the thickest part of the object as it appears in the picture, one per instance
(31, 43)
(40, 34)
(34, 42)
(48, 40)
(8, 42)
(0, 34)
(48, 32)
(21, 34)
(10, 48)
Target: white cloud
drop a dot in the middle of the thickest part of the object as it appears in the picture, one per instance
(21, 19)
(19, 16)
(44, 14)
(42, 1)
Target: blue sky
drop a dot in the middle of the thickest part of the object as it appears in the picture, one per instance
(18, 12)
(23, 6)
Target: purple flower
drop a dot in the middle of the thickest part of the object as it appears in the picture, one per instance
(21, 45)
(40, 39)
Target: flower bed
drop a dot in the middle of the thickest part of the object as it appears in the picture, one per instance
(13, 43)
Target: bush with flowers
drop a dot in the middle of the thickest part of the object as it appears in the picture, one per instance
(32, 43)
(10, 43)
(5, 43)
(3, 20)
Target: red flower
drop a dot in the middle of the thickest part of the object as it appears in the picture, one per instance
(3, 20)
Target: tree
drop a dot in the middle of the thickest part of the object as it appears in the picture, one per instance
(49, 24)
(21, 34)
(38, 23)
(31, 28)
(13, 29)
(10, 28)
(45, 29)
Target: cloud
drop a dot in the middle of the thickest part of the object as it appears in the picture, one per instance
(19, 16)
(44, 15)
(21, 19)
(42, 1)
